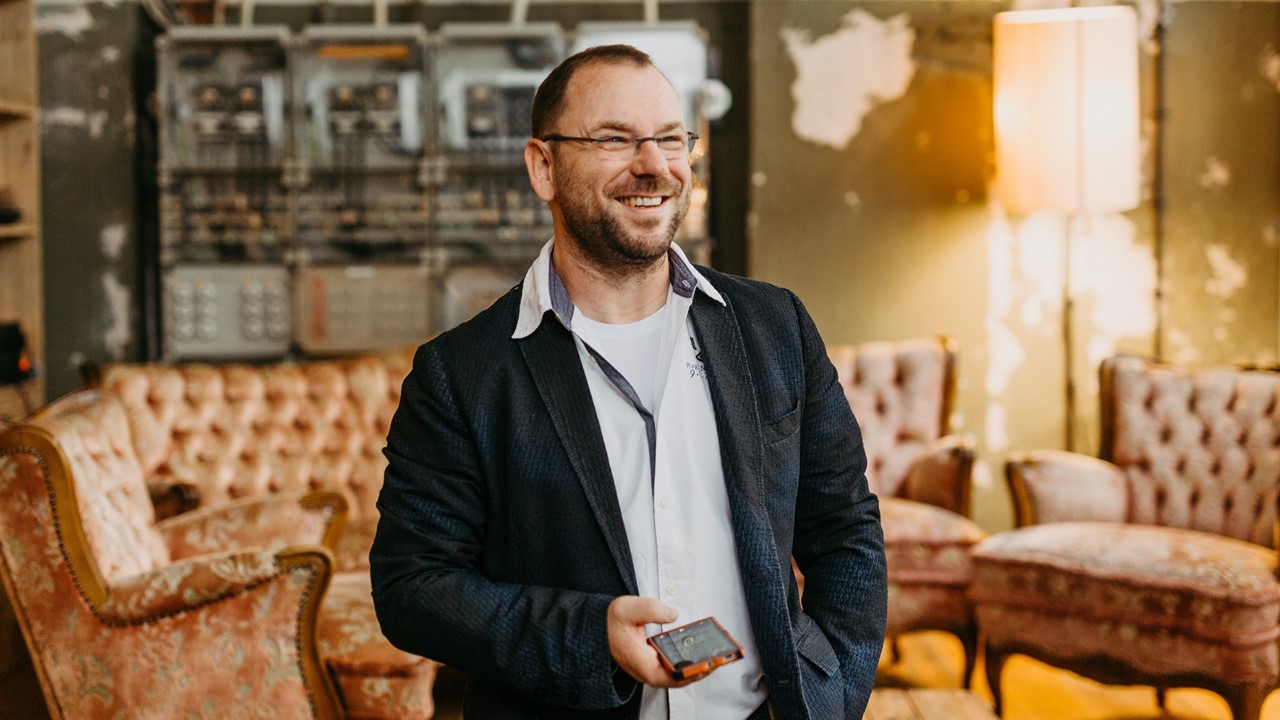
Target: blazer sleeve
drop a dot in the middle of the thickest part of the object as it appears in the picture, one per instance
(430, 595)
(839, 544)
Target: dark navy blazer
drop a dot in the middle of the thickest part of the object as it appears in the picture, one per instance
(501, 541)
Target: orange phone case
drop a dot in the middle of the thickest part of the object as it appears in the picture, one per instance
(695, 649)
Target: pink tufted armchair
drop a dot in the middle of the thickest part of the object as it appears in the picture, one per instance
(1156, 564)
(902, 394)
(126, 618)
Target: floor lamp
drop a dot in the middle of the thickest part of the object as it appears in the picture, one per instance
(1066, 126)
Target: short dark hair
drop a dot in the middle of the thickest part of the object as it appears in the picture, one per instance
(549, 101)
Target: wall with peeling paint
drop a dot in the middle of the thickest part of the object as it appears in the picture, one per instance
(1222, 183)
(93, 69)
(869, 199)
(861, 142)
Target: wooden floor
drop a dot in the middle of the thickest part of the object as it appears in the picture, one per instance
(1033, 691)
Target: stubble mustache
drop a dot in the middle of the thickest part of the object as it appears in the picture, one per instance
(647, 187)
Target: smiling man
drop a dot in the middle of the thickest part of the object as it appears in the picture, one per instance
(626, 443)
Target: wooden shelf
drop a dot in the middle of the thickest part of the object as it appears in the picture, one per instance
(11, 109)
(21, 276)
(19, 231)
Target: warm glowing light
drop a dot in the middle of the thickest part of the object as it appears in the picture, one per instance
(1066, 109)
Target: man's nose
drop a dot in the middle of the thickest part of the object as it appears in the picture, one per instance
(649, 160)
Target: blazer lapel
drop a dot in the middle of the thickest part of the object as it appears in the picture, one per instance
(557, 372)
(738, 426)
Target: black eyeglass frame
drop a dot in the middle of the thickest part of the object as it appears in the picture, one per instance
(636, 142)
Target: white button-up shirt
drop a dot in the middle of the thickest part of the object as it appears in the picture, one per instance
(666, 467)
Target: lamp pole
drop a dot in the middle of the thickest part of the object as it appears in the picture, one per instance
(1067, 129)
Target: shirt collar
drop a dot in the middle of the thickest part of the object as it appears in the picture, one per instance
(543, 291)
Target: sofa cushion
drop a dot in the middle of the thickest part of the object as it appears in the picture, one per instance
(352, 553)
(1177, 601)
(926, 544)
(929, 567)
(375, 679)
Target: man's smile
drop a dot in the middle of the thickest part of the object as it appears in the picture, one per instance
(642, 201)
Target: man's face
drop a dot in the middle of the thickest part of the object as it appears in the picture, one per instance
(621, 209)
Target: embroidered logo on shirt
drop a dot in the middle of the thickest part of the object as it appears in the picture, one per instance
(696, 369)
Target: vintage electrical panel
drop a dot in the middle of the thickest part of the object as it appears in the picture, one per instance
(350, 188)
(225, 217)
(353, 308)
(226, 311)
(363, 95)
(363, 131)
(488, 223)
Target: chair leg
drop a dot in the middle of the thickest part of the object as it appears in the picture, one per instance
(969, 639)
(994, 664)
(1245, 701)
(895, 649)
(1162, 699)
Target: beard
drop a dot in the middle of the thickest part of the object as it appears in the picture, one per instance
(601, 234)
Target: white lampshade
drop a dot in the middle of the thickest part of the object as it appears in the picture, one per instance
(1066, 109)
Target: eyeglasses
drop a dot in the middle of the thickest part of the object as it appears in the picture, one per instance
(675, 145)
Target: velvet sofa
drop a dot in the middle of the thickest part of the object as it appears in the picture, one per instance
(221, 435)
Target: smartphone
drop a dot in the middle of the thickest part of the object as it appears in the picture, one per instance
(695, 649)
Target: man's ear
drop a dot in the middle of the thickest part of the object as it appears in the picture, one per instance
(537, 160)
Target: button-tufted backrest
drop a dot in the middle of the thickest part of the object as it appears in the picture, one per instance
(901, 393)
(1200, 446)
(111, 492)
(241, 430)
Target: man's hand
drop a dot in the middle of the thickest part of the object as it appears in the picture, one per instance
(628, 615)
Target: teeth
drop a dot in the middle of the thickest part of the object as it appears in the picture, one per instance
(642, 201)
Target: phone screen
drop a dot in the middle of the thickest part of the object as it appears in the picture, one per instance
(696, 648)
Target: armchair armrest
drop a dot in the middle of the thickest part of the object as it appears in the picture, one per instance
(943, 475)
(259, 600)
(196, 582)
(173, 497)
(1059, 486)
(268, 522)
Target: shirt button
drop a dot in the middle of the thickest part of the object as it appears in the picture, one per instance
(665, 503)
(671, 589)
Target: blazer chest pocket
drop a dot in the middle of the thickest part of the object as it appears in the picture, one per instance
(782, 427)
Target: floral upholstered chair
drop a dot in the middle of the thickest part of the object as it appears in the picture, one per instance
(902, 394)
(229, 611)
(127, 619)
(1154, 565)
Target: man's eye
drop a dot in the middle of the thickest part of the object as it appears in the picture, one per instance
(671, 142)
(613, 142)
